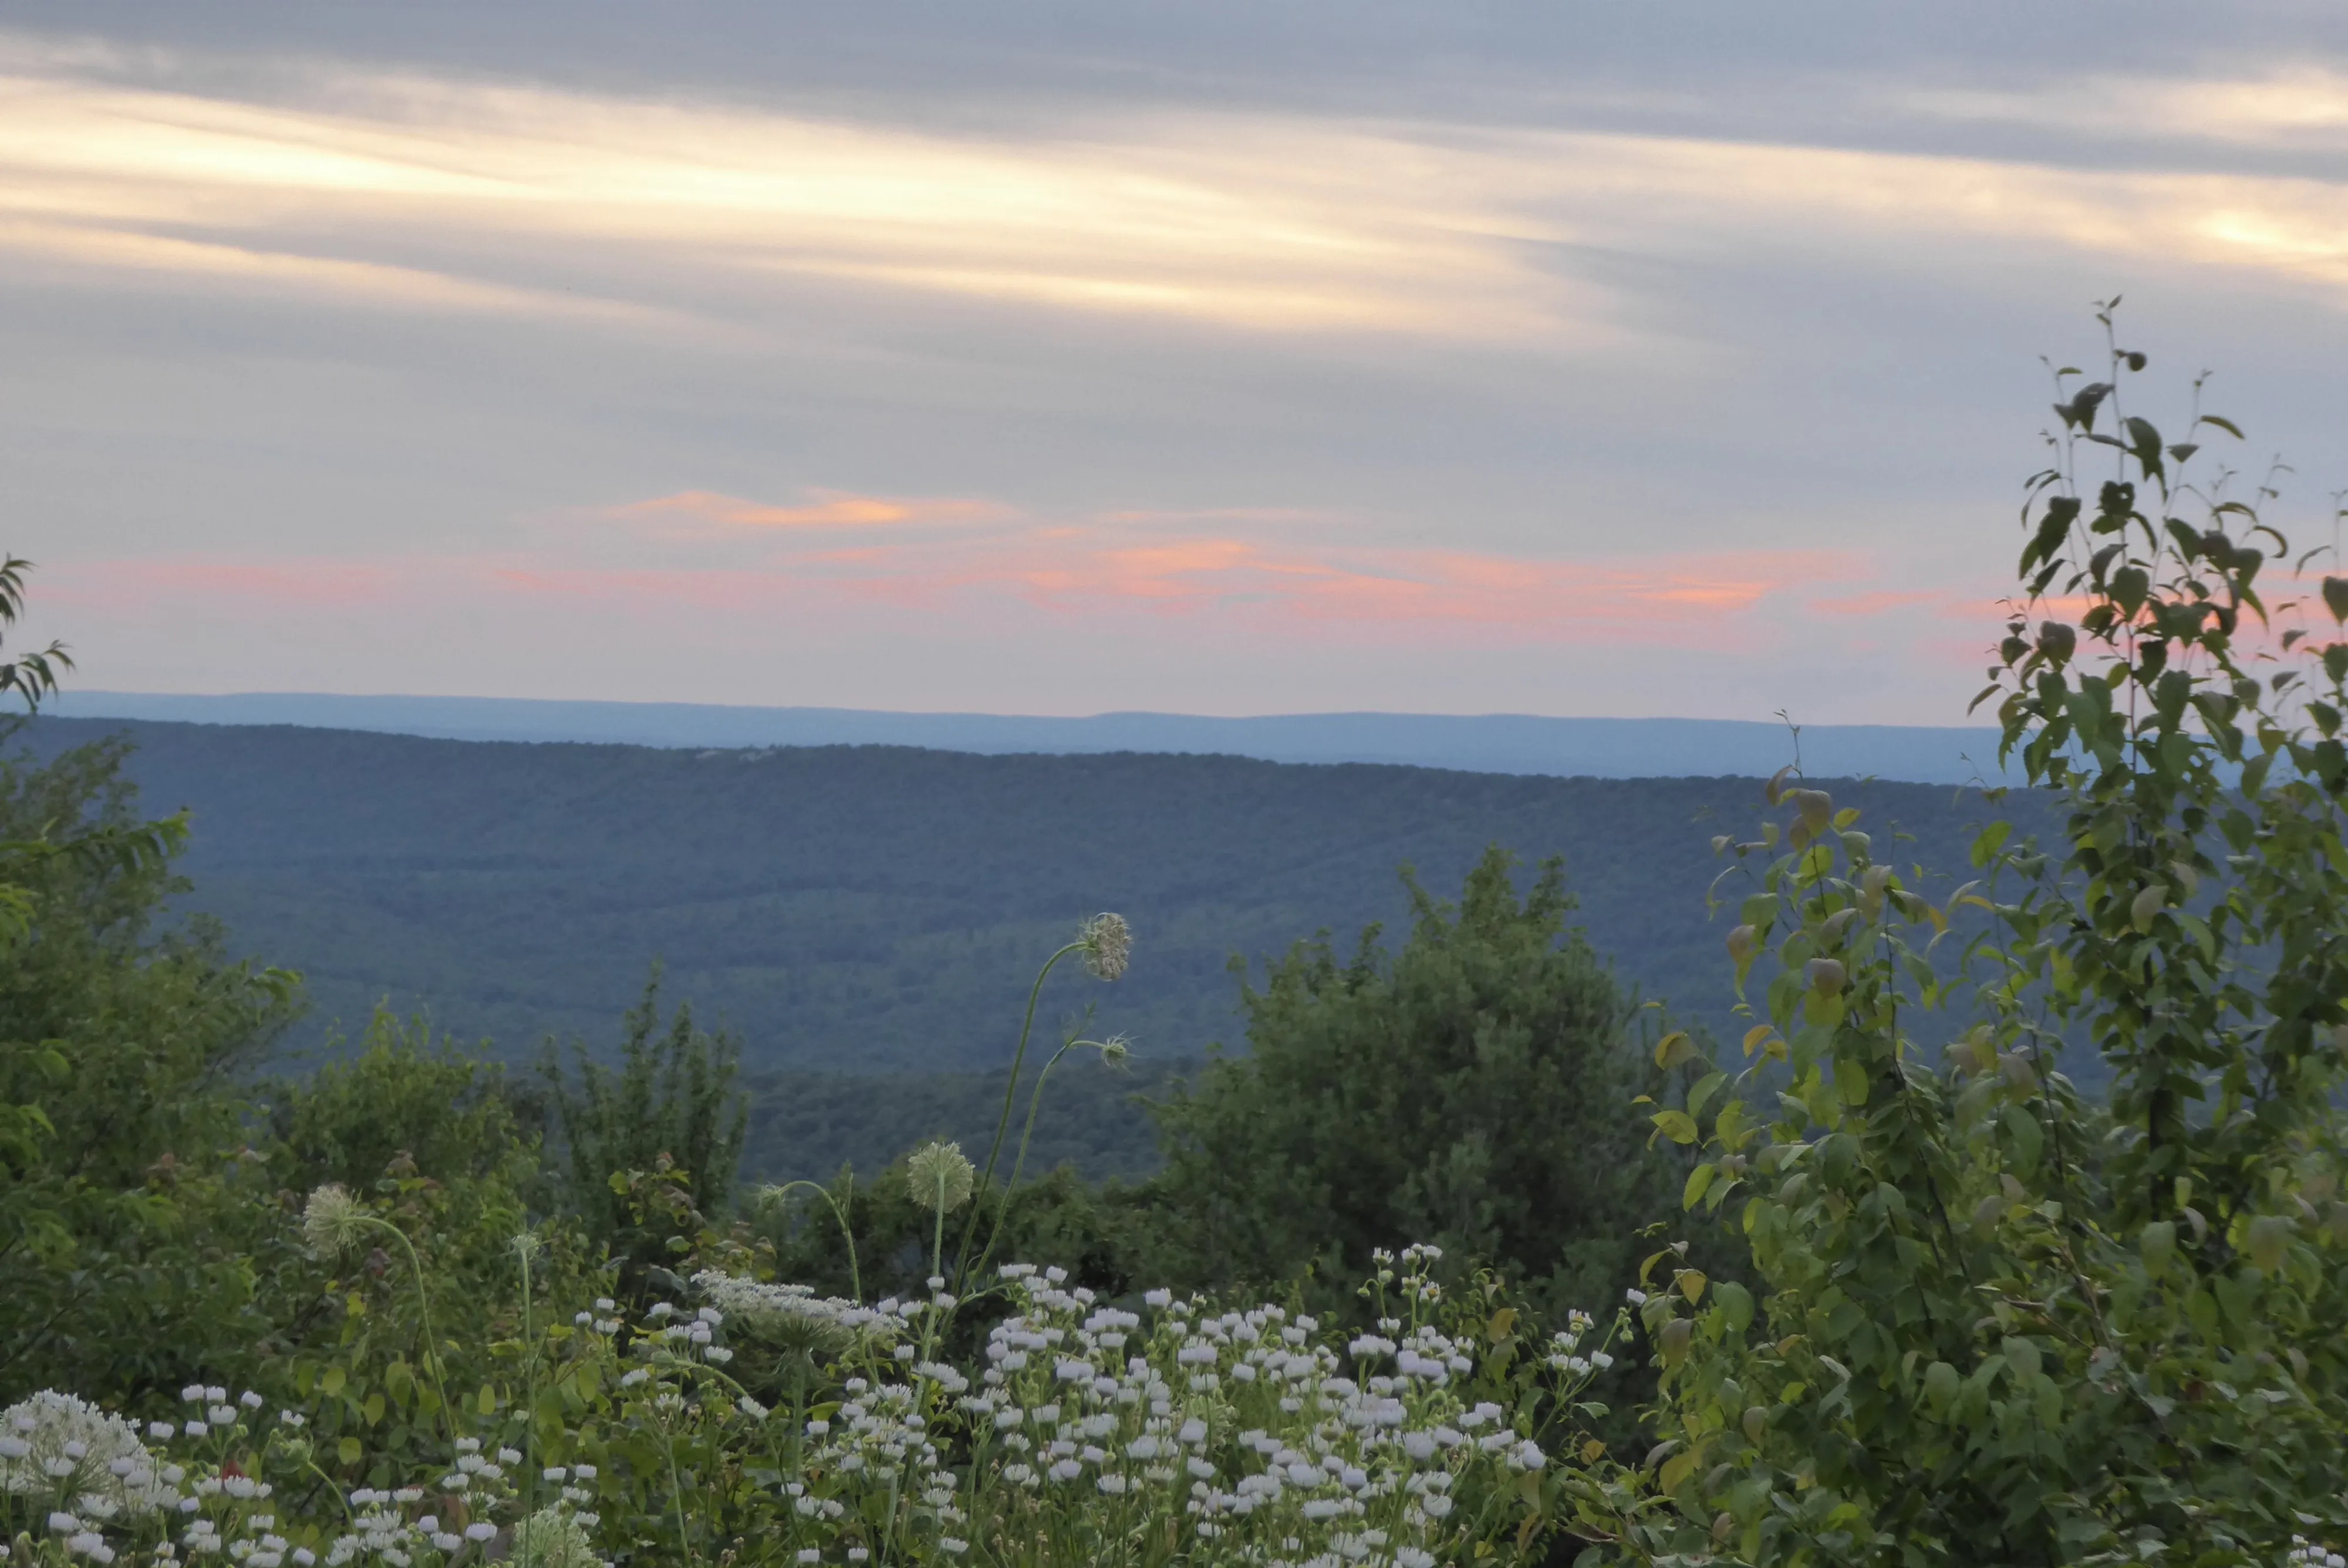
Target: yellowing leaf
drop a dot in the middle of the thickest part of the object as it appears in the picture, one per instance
(2266, 1240)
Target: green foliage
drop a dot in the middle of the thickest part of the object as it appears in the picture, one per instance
(1099, 1233)
(1997, 1324)
(122, 1142)
(669, 1107)
(436, 1109)
(1095, 1119)
(1469, 1090)
(31, 676)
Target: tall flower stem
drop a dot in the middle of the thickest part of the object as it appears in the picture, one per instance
(855, 1280)
(525, 1244)
(1026, 1136)
(1010, 1093)
(424, 1317)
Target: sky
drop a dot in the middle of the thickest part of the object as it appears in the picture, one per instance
(1629, 359)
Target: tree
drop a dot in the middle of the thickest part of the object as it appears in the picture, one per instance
(1468, 1091)
(118, 1125)
(670, 1108)
(1996, 1324)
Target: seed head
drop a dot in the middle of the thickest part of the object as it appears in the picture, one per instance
(333, 1221)
(940, 1176)
(550, 1538)
(1108, 945)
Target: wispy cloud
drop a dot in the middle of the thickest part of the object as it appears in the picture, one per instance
(1081, 575)
(829, 510)
(1250, 221)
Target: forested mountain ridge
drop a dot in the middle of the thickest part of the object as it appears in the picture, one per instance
(880, 908)
(1474, 742)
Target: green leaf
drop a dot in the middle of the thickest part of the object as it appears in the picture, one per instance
(2266, 1240)
(1736, 1304)
(1676, 1126)
(1707, 1087)
(1940, 1383)
(2029, 1138)
(1698, 1181)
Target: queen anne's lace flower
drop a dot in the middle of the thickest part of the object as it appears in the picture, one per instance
(940, 1177)
(53, 1443)
(333, 1220)
(1108, 945)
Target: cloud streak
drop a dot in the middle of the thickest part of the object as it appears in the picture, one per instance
(1245, 221)
(1083, 576)
(831, 511)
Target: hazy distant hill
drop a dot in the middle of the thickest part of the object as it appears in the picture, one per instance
(1497, 742)
(880, 908)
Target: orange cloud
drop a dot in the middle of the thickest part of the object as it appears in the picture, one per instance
(1547, 600)
(834, 509)
(1225, 584)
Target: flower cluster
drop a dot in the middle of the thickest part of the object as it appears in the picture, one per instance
(1087, 1430)
(100, 1489)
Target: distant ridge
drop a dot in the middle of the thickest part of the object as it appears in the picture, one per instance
(1495, 743)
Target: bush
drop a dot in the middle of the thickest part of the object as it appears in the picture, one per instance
(1470, 1089)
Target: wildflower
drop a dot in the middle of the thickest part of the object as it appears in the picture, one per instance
(53, 1430)
(333, 1221)
(940, 1177)
(1108, 945)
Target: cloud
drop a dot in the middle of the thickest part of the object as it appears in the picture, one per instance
(2303, 107)
(1258, 221)
(832, 510)
(1077, 576)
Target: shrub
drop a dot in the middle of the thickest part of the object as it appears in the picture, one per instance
(1469, 1089)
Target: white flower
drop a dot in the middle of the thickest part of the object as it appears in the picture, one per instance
(56, 1428)
(940, 1177)
(333, 1221)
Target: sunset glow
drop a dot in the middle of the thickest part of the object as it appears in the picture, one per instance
(1707, 395)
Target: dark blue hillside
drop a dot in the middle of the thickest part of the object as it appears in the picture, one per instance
(883, 909)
